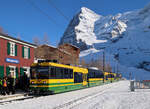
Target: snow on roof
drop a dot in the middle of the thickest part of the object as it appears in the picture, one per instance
(48, 45)
(94, 68)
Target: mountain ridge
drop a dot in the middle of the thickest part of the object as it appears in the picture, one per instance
(126, 35)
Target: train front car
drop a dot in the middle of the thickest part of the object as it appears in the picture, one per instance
(95, 77)
(118, 76)
(39, 79)
(109, 77)
(49, 78)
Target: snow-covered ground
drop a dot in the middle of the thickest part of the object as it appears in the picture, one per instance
(111, 96)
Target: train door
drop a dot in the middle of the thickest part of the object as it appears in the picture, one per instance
(84, 79)
(88, 76)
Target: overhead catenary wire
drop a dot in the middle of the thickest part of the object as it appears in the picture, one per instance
(42, 12)
(57, 9)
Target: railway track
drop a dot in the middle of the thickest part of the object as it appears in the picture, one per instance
(74, 103)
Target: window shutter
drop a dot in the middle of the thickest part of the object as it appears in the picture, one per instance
(1, 72)
(21, 71)
(8, 48)
(8, 71)
(16, 49)
(23, 51)
(28, 53)
(16, 72)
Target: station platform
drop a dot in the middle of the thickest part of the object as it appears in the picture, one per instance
(17, 94)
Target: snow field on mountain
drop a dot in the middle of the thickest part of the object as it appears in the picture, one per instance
(125, 34)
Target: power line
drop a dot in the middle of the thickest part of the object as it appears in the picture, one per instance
(57, 9)
(42, 12)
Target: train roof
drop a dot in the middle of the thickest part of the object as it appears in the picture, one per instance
(75, 68)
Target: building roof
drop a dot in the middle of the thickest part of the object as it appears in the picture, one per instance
(53, 47)
(50, 45)
(70, 45)
(5, 36)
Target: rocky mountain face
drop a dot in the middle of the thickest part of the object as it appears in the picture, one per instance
(126, 36)
(80, 31)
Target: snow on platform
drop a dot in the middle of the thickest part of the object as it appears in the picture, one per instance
(110, 96)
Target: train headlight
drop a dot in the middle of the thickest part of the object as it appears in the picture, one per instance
(32, 82)
(44, 82)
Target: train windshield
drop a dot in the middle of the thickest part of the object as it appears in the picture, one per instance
(110, 76)
(40, 72)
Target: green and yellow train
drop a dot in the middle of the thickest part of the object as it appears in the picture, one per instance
(50, 78)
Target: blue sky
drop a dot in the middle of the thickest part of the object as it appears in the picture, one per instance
(20, 18)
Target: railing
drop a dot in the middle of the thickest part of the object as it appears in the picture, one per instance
(145, 84)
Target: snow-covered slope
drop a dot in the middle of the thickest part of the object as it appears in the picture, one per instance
(124, 36)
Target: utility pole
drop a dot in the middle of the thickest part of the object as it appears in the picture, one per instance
(118, 64)
(104, 65)
(103, 61)
(117, 67)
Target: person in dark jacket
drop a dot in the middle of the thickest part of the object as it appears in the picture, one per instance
(1, 85)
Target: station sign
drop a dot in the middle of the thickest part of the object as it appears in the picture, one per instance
(10, 60)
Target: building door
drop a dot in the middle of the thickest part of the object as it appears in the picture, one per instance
(26, 71)
(12, 70)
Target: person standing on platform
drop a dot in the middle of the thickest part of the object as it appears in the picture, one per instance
(13, 82)
(1, 85)
(4, 91)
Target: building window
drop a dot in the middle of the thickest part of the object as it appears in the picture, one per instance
(26, 71)
(25, 52)
(11, 49)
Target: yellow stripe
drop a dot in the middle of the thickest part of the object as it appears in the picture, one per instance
(37, 81)
(95, 79)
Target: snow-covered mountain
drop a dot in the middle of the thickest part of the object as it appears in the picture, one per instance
(126, 36)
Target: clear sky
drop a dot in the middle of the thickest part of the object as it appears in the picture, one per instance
(20, 18)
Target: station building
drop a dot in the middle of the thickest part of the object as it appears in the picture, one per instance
(63, 54)
(16, 56)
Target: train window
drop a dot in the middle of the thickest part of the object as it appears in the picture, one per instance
(94, 75)
(66, 73)
(90, 75)
(53, 72)
(58, 73)
(78, 77)
(70, 73)
(62, 72)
